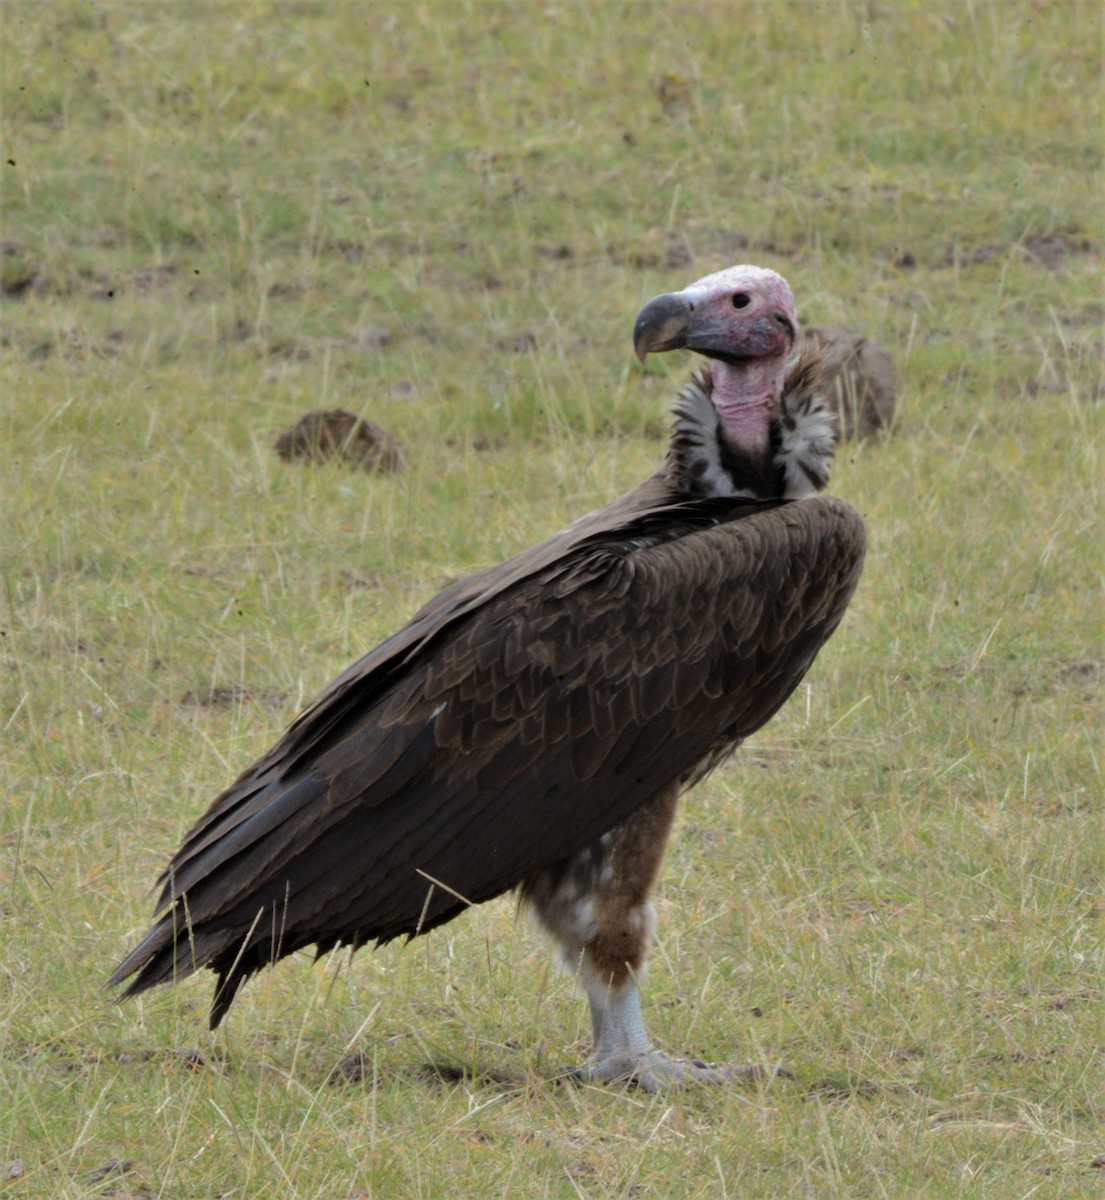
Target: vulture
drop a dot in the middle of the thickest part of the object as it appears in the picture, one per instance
(533, 725)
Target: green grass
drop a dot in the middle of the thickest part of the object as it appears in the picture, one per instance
(213, 214)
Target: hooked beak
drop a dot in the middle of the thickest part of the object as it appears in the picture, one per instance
(662, 324)
(688, 320)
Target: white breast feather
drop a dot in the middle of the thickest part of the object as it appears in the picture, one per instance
(808, 436)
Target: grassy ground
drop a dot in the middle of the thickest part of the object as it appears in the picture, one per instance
(446, 216)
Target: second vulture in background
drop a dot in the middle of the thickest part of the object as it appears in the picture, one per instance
(532, 726)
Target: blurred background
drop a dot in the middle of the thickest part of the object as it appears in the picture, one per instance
(443, 217)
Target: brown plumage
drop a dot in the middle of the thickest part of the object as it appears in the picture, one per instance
(532, 725)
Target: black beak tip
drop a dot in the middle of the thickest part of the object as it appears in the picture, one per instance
(641, 339)
(660, 325)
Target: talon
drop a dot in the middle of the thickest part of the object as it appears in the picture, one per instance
(653, 1071)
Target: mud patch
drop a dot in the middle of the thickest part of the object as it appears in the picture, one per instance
(369, 338)
(357, 1069)
(669, 249)
(557, 251)
(1050, 250)
(1071, 1000)
(336, 435)
(446, 1075)
(846, 1087)
(481, 443)
(1085, 673)
(18, 274)
(159, 280)
(119, 1178)
(673, 93)
(189, 1058)
(71, 1059)
(521, 344)
(353, 1069)
(229, 697)
(361, 581)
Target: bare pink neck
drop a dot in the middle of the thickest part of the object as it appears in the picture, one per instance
(746, 397)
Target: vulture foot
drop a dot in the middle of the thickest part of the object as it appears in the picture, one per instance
(654, 1071)
(622, 1052)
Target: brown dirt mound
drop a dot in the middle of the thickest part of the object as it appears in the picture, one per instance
(860, 380)
(336, 435)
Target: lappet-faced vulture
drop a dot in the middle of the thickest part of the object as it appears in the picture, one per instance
(532, 726)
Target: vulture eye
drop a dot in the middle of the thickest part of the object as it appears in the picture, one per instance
(741, 300)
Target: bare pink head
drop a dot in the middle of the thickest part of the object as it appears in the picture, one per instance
(744, 319)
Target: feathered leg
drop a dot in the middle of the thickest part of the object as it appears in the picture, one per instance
(596, 906)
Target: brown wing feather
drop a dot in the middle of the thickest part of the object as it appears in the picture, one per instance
(520, 715)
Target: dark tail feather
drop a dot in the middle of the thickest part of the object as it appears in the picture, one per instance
(229, 981)
(162, 956)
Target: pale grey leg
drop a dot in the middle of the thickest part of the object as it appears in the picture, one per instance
(596, 907)
(622, 1051)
